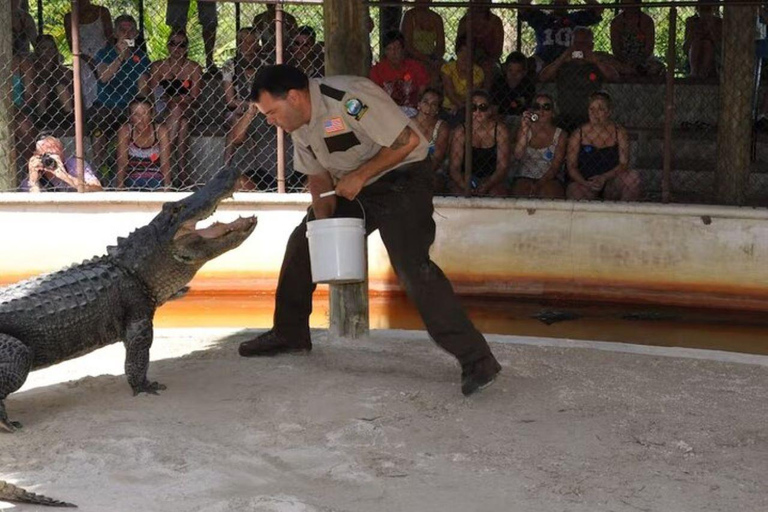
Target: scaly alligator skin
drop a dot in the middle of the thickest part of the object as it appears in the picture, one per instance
(110, 298)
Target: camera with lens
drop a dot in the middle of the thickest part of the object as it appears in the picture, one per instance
(534, 118)
(48, 161)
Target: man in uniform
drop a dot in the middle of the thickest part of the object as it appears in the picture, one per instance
(351, 138)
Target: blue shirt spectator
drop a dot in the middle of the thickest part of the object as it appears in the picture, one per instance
(554, 30)
(123, 87)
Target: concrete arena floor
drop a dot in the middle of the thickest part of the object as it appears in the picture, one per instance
(380, 425)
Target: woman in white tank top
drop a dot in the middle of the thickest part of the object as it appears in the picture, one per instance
(540, 152)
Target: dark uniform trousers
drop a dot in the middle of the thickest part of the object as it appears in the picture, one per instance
(399, 205)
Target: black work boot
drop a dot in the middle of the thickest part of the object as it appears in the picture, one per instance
(272, 343)
(479, 375)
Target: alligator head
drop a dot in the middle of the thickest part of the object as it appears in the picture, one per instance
(167, 252)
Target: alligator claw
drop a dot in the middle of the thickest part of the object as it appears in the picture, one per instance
(9, 426)
(151, 388)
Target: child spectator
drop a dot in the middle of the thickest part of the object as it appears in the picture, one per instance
(50, 169)
(703, 41)
(633, 37)
(454, 80)
(143, 150)
(424, 34)
(488, 38)
(490, 152)
(514, 88)
(554, 29)
(176, 18)
(176, 84)
(598, 155)
(540, 152)
(53, 83)
(305, 54)
(121, 68)
(578, 72)
(404, 79)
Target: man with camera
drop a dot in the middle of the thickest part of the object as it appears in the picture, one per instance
(50, 170)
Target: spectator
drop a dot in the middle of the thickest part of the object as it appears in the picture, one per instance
(404, 79)
(143, 150)
(633, 37)
(488, 36)
(513, 90)
(306, 54)
(435, 130)
(454, 75)
(53, 94)
(703, 42)
(121, 68)
(176, 18)
(95, 29)
(540, 152)
(22, 92)
(23, 28)
(264, 24)
(598, 155)
(425, 38)
(238, 72)
(554, 30)
(176, 84)
(578, 72)
(50, 169)
(490, 152)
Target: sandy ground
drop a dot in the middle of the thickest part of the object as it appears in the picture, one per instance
(380, 425)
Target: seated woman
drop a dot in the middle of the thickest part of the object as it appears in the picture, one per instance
(490, 152)
(237, 76)
(455, 84)
(143, 150)
(540, 151)
(435, 130)
(54, 105)
(176, 84)
(633, 37)
(703, 41)
(598, 154)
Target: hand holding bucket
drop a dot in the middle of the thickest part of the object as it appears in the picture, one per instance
(337, 248)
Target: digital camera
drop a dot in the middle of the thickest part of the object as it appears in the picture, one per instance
(130, 43)
(578, 54)
(48, 161)
(534, 118)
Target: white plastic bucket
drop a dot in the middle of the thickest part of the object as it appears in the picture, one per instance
(337, 250)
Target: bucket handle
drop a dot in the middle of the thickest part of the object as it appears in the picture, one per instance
(333, 193)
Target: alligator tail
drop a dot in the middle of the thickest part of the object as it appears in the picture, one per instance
(10, 492)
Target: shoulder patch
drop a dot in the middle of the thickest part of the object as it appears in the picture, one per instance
(327, 90)
(355, 108)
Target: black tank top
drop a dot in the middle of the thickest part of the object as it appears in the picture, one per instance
(484, 159)
(594, 161)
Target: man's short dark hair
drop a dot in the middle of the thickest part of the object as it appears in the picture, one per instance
(392, 36)
(306, 30)
(278, 80)
(517, 58)
(123, 18)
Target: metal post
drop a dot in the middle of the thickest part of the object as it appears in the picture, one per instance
(141, 18)
(669, 110)
(237, 17)
(468, 105)
(75, 20)
(7, 163)
(40, 26)
(280, 132)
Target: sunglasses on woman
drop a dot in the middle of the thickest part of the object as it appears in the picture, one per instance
(482, 107)
(541, 106)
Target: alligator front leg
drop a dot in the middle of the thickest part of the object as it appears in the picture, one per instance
(15, 363)
(138, 340)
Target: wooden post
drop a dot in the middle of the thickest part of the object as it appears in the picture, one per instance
(734, 121)
(7, 164)
(346, 53)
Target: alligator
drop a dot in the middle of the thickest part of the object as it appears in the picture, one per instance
(112, 297)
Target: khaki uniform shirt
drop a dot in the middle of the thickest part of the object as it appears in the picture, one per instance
(352, 119)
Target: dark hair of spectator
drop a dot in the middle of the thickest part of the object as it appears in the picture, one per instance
(139, 100)
(392, 36)
(517, 58)
(432, 90)
(461, 42)
(179, 32)
(306, 30)
(548, 98)
(602, 95)
(124, 18)
(45, 37)
(480, 93)
(278, 80)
